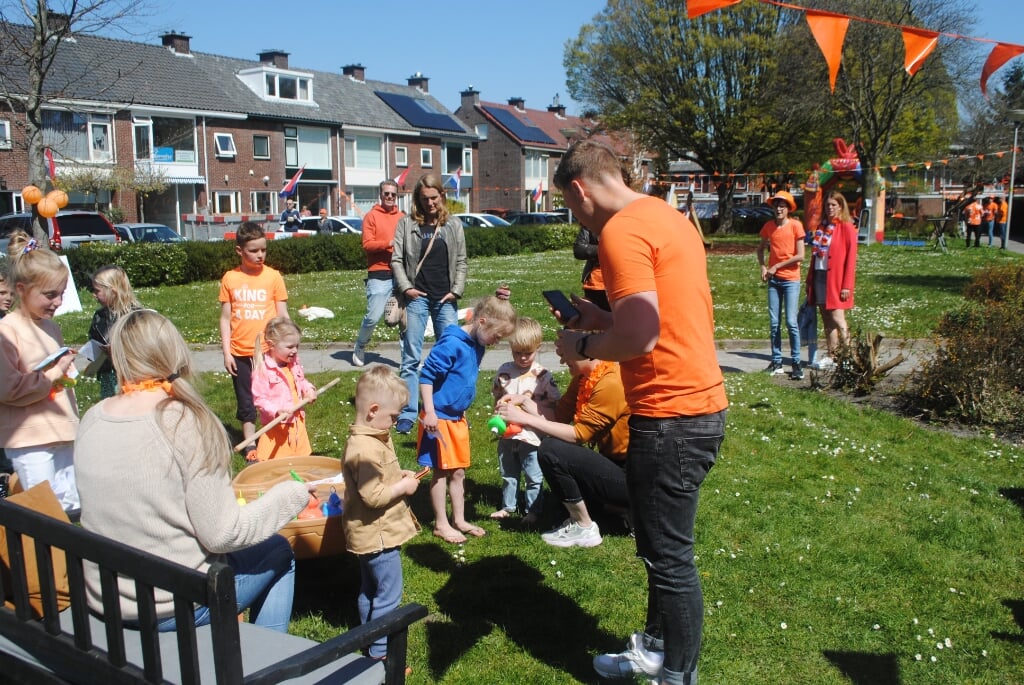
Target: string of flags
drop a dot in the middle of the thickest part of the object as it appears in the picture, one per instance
(829, 31)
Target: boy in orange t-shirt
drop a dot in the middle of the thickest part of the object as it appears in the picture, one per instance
(783, 238)
(250, 296)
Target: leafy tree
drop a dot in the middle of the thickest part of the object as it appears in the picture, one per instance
(29, 50)
(708, 90)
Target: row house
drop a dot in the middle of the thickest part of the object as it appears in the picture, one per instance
(222, 135)
(520, 148)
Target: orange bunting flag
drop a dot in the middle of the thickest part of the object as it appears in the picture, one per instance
(1000, 55)
(927, 165)
(894, 167)
(695, 8)
(829, 31)
(918, 44)
(1000, 154)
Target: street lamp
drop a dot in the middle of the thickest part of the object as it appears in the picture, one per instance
(1016, 116)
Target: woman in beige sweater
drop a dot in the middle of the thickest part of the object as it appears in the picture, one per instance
(166, 457)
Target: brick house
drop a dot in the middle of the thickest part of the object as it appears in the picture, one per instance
(520, 148)
(225, 134)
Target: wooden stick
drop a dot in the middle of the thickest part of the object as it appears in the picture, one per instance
(280, 417)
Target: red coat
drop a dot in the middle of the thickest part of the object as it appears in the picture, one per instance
(842, 267)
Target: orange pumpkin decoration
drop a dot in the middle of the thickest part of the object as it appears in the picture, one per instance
(47, 208)
(58, 196)
(31, 194)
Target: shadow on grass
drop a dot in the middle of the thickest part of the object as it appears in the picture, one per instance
(939, 282)
(328, 587)
(1015, 495)
(863, 668)
(503, 592)
(1016, 607)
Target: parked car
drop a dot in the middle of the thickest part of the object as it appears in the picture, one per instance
(147, 233)
(339, 225)
(497, 211)
(68, 229)
(521, 218)
(565, 213)
(481, 220)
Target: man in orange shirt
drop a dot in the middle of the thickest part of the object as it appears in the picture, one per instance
(661, 329)
(972, 215)
(1001, 209)
(989, 207)
(783, 239)
(378, 234)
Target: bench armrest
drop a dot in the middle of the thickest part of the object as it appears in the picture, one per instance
(395, 625)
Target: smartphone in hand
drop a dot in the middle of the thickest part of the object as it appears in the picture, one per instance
(561, 304)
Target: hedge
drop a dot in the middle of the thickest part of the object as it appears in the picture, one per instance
(154, 264)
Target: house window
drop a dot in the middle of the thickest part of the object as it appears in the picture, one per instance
(164, 139)
(225, 202)
(225, 144)
(291, 146)
(307, 146)
(482, 131)
(5, 135)
(261, 147)
(364, 152)
(426, 157)
(536, 165)
(79, 136)
(262, 202)
(286, 87)
(467, 160)
(401, 156)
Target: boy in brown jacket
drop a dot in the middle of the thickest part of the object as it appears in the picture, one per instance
(377, 518)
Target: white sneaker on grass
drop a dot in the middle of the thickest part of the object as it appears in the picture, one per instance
(572, 534)
(358, 358)
(636, 659)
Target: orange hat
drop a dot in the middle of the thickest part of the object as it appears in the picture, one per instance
(786, 197)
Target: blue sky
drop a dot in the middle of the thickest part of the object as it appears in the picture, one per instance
(501, 49)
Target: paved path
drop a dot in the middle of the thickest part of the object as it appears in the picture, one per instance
(733, 355)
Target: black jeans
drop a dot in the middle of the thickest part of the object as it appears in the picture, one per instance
(668, 460)
(576, 473)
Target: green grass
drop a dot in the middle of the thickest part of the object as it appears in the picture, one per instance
(836, 543)
(900, 292)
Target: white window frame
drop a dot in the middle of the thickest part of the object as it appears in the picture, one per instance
(401, 156)
(5, 135)
(226, 196)
(467, 161)
(254, 200)
(482, 131)
(426, 158)
(267, 138)
(272, 87)
(224, 143)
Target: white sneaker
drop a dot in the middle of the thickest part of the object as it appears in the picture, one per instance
(572, 534)
(357, 357)
(823, 363)
(636, 659)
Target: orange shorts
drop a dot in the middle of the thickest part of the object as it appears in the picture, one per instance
(448, 448)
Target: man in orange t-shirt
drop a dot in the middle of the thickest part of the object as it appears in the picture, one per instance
(661, 329)
(1002, 207)
(972, 215)
(783, 238)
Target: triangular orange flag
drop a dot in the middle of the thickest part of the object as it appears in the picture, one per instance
(1000, 55)
(829, 31)
(695, 8)
(918, 44)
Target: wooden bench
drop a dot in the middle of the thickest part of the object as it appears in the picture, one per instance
(79, 646)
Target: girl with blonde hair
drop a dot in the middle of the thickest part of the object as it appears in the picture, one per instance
(154, 473)
(111, 288)
(38, 410)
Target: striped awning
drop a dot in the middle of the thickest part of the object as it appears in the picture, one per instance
(185, 180)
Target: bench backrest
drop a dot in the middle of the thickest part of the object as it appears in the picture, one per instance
(72, 654)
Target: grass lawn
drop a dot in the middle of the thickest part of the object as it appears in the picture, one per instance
(836, 543)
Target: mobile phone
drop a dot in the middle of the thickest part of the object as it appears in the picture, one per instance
(561, 304)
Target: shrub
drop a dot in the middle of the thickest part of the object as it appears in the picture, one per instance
(976, 376)
(858, 368)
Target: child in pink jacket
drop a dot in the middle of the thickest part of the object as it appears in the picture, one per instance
(278, 384)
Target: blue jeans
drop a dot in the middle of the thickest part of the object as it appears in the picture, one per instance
(515, 456)
(1001, 233)
(380, 590)
(417, 312)
(264, 584)
(784, 293)
(990, 225)
(668, 460)
(377, 293)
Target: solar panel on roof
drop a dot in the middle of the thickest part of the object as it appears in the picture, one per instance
(522, 131)
(419, 112)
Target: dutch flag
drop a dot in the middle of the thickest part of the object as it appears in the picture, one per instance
(289, 187)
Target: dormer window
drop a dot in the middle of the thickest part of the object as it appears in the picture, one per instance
(272, 83)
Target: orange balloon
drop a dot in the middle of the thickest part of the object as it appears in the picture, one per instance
(47, 208)
(58, 196)
(31, 194)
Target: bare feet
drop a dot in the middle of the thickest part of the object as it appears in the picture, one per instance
(450, 535)
(470, 529)
(500, 514)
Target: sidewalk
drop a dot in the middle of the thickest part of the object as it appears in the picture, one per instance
(733, 356)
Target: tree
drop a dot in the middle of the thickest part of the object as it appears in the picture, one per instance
(29, 54)
(876, 99)
(708, 90)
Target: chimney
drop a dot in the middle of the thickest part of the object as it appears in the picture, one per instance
(557, 107)
(517, 102)
(177, 42)
(470, 97)
(356, 72)
(418, 80)
(279, 58)
(57, 22)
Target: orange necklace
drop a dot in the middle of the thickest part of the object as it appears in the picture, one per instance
(148, 385)
(587, 384)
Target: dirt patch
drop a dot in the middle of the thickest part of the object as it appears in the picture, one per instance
(731, 248)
